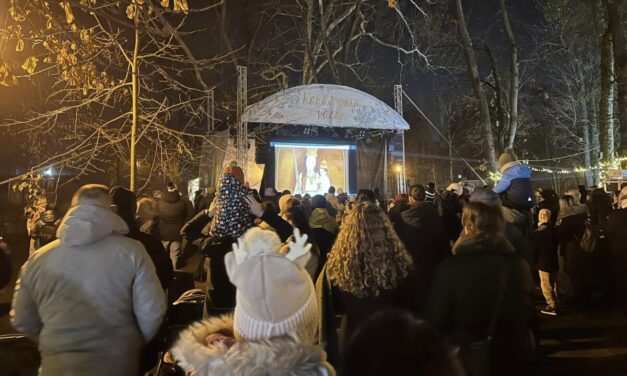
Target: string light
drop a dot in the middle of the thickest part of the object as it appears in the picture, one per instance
(602, 168)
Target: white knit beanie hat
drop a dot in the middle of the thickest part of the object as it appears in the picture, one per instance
(275, 295)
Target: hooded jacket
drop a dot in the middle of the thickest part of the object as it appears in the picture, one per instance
(274, 356)
(232, 217)
(173, 213)
(320, 218)
(571, 224)
(92, 297)
(516, 186)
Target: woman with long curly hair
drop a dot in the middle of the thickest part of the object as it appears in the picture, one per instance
(366, 266)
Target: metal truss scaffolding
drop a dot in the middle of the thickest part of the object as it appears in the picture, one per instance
(398, 106)
(242, 127)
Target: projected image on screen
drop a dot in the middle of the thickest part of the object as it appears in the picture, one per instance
(312, 169)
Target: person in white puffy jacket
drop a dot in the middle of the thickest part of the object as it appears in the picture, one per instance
(91, 298)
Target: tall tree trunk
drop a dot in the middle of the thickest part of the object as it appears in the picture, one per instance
(502, 125)
(585, 127)
(351, 31)
(225, 35)
(611, 101)
(325, 43)
(473, 72)
(309, 69)
(135, 99)
(450, 155)
(514, 76)
(604, 95)
(616, 25)
(594, 132)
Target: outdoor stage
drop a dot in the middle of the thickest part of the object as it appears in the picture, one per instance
(330, 135)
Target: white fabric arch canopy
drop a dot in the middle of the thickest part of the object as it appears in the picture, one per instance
(325, 106)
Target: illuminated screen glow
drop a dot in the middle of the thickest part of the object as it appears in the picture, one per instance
(311, 168)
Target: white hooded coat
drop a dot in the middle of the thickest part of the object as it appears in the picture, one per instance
(91, 298)
(278, 356)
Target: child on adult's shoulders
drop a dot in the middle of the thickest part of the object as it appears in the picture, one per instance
(515, 186)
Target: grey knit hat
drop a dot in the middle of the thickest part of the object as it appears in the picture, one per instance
(506, 157)
(275, 295)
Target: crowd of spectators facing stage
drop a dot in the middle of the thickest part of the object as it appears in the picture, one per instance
(433, 282)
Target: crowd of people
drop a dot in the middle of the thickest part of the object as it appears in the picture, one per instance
(433, 282)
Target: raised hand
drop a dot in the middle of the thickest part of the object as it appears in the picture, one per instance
(254, 206)
(299, 246)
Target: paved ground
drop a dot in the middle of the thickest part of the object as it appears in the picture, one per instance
(591, 341)
(584, 342)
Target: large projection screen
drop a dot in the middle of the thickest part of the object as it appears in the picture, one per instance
(309, 168)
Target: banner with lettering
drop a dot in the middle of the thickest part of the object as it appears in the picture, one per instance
(325, 106)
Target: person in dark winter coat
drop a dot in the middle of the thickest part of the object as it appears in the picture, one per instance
(617, 235)
(420, 229)
(431, 193)
(125, 202)
(198, 196)
(598, 276)
(173, 213)
(518, 232)
(45, 228)
(546, 199)
(451, 207)
(323, 226)
(545, 251)
(401, 203)
(367, 266)
(515, 185)
(485, 278)
(195, 230)
(571, 224)
(206, 200)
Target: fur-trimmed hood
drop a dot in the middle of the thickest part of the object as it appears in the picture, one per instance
(271, 357)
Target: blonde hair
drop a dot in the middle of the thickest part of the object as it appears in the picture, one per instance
(367, 256)
(92, 194)
(544, 216)
(147, 207)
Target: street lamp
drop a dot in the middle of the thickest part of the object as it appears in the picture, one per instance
(398, 169)
(49, 171)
